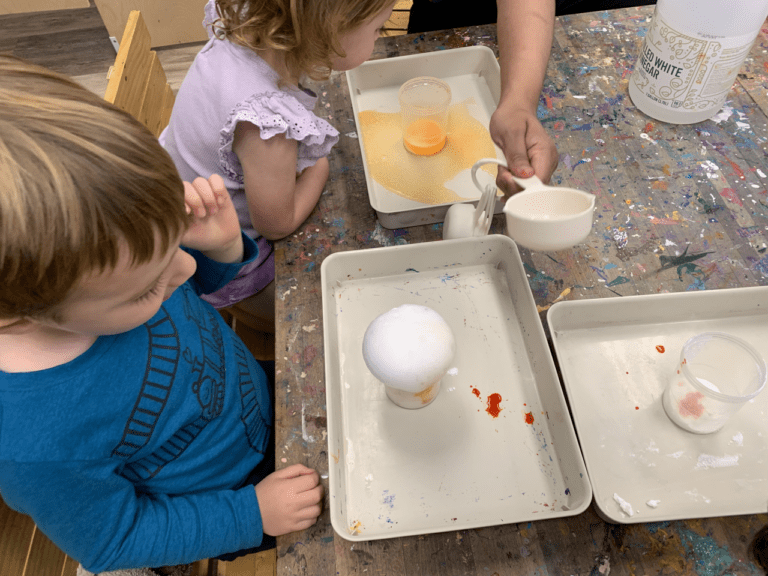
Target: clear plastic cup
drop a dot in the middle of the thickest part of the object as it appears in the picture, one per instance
(717, 374)
(424, 109)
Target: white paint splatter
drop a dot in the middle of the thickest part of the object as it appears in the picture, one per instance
(652, 503)
(738, 439)
(709, 461)
(625, 506)
(760, 173)
(304, 435)
(453, 371)
(724, 114)
(676, 454)
(310, 328)
(351, 134)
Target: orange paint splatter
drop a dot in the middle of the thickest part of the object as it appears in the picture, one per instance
(659, 185)
(660, 349)
(475, 391)
(528, 418)
(648, 127)
(637, 407)
(494, 401)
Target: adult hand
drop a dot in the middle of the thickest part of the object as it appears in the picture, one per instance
(289, 499)
(526, 145)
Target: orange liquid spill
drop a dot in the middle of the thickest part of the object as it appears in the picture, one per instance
(424, 137)
(423, 178)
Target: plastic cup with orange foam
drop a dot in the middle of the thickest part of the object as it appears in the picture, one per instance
(424, 108)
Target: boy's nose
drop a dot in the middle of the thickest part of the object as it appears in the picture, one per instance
(184, 265)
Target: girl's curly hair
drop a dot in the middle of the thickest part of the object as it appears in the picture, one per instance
(307, 31)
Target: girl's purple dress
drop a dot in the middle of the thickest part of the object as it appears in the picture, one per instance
(228, 84)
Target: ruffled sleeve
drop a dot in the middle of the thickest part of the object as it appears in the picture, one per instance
(277, 113)
(210, 16)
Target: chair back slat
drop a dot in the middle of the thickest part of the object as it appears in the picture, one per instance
(137, 82)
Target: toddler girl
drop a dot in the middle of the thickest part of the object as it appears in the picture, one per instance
(242, 112)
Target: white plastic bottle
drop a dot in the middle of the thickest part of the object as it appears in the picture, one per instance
(691, 55)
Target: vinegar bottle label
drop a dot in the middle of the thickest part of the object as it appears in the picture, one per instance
(685, 78)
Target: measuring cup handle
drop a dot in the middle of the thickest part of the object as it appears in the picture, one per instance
(532, 182)
(481, 163)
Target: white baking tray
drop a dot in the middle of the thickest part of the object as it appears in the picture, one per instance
(614, 376)
(449, 465)
(471, 72)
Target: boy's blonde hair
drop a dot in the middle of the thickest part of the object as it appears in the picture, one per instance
(307, 31)
(79, 180)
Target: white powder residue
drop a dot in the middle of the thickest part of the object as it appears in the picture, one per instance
(676, 454)
(738, 439)
(708, 384)
(453, 371)
(652, 503)
(625, 506)
(709, 461)
(350, 454)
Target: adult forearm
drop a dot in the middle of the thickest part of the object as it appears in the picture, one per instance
(525, 30)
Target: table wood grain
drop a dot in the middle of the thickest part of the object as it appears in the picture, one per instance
(678, 208)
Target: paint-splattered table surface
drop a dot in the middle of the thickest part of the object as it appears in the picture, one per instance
(679, 208)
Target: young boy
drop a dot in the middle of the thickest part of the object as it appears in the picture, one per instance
(130, 414)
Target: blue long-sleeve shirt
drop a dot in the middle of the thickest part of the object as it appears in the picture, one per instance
(131, 454)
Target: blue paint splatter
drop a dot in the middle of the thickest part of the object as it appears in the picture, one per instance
(711, 559)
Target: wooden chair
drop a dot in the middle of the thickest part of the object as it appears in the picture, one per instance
(137, 82)
(138, 85)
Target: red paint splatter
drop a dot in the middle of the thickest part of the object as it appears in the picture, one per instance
(637, 407)
(493, 405)
(310, 353)
(528, 418)
(739, 172)
(691, 405)
(648, 127)
(475, 391)
(730, 195)
(660, 349)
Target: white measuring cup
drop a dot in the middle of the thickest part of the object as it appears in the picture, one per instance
(544, 218)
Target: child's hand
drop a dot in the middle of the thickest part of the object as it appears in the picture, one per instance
(215, 229)
(289, 499)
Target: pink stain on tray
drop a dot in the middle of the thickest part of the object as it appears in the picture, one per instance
(691, 405)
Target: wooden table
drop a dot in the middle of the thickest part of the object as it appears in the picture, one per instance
(679, 208)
